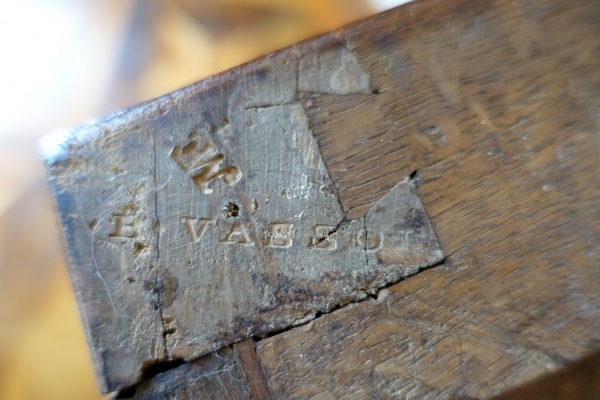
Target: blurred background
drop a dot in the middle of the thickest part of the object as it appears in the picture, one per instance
(64, 63)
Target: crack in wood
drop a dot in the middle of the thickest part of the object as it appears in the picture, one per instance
(246, 236)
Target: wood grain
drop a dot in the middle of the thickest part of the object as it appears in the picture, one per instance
(208, 216)
(579, 380)
(247, 361)
(214, 376)
(308, 180)
(509, 92)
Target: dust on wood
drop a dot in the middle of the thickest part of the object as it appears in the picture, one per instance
(214, 376)
(254, 200)
(205, 217)
(495, 103)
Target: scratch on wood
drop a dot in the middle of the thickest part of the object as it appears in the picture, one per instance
(245, 236)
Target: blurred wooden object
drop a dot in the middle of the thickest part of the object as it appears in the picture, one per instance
(43, 354)
(576, 381)
(491, 108)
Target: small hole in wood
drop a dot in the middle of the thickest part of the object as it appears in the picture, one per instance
(232, 210)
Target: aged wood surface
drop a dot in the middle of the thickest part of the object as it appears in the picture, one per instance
(174, 255)
(308, 180)
(214, 376)
(206, 216)
(496, 104)
(577, 381)
(249, 366)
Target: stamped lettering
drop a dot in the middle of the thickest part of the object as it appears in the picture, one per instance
(196, 227)
(369, 239)
(123, 227)
(237, 234)
(202, 163)
(279, 234)
(232, 225)
(322, 237)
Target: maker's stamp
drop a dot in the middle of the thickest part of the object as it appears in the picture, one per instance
(237, 234)
(200, 258)
(369, 239)
(123, 227)
(280, 234)
(323, 237)
(203, 163)
(196, 226)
